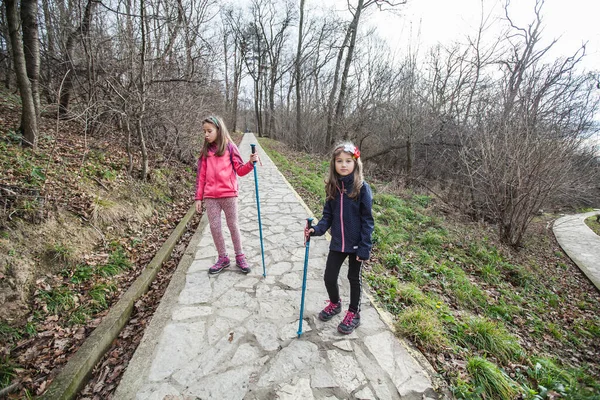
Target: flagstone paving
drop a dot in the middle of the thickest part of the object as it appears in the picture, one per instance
(235, 336)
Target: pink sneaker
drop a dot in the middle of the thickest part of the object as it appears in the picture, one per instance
(240, 261)
(222, 262)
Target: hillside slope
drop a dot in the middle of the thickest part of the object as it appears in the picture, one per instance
(75, 231)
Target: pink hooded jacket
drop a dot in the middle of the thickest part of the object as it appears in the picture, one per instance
(216, 177)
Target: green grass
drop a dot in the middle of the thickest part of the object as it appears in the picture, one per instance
(569, 383)
(80, 315)
(60, 253)
(493, 382)
(81, 274)
(489, 338)
(117, 263)
(593, 223)
(422, 326)
(9, 333)
(87, 289)
(58, 299)
(7, 371)
(100, 294)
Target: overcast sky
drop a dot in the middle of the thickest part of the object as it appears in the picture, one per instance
(429, 22)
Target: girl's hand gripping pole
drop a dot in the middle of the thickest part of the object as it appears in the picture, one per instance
(307, 245)
(262, 250)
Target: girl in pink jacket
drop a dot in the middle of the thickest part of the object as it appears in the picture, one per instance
(217, 188)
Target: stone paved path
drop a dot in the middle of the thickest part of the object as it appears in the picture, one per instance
(580, 243)
(234, 336)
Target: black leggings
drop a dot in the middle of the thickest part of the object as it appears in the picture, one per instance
(335, 259)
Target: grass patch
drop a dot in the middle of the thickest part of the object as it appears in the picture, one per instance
(593, 223)
(81, 274)
(117, 263)
(488, 337)
(80, 315)
(548, 377)
(60, 253)
(59, 299)
(100, 294)
(7, 371)
(9, 333)
(491, 381)
(422, 326)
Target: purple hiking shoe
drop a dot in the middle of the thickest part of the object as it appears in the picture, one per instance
(222, 262)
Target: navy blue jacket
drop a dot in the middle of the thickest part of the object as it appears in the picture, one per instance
(351, 221)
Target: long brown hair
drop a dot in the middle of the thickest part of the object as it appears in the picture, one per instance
(223, 136)
(331, 186)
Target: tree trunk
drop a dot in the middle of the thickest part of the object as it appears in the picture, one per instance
(49, 54)
(298, 69)
(227, 85)
(65, 92)
(353, 28)
(237, 73)
(142, 89)
(6, 62)
(257, 106)
(329, 138)
(28, 116)
(31, 47)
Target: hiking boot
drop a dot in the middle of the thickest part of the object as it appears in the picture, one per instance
(330, 310)
(222, 262)
(351, 321)
(240, 261)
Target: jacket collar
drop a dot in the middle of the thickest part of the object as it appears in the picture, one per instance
(347, 180)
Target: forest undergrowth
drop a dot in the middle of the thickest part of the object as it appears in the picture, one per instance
(75, 231)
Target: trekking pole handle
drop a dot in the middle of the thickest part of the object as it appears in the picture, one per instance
(253, 146)
(308, 226)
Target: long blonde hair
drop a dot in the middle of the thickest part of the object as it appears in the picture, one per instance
(331, 186)
(223, 136)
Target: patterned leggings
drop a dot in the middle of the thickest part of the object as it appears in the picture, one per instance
(213, 210)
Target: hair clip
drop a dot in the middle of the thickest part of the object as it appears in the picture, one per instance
(348, 148)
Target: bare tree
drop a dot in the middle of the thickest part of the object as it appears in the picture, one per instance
(232, 89)
(523, 151)
(29, 125)
(298, 68)
(69, 60)
(350, 41)
(31, 47)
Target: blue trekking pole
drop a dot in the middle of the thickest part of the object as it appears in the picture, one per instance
(307, 245)
(262, 250)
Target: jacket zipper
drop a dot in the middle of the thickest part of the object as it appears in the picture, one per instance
(342, 217)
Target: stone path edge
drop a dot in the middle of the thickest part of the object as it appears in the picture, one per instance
(571, 253)
(439, 384)
(161, 317)
(74, 374)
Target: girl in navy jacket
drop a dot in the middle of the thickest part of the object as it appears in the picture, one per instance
(347, 213)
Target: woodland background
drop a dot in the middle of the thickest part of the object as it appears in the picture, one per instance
(490, 125)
